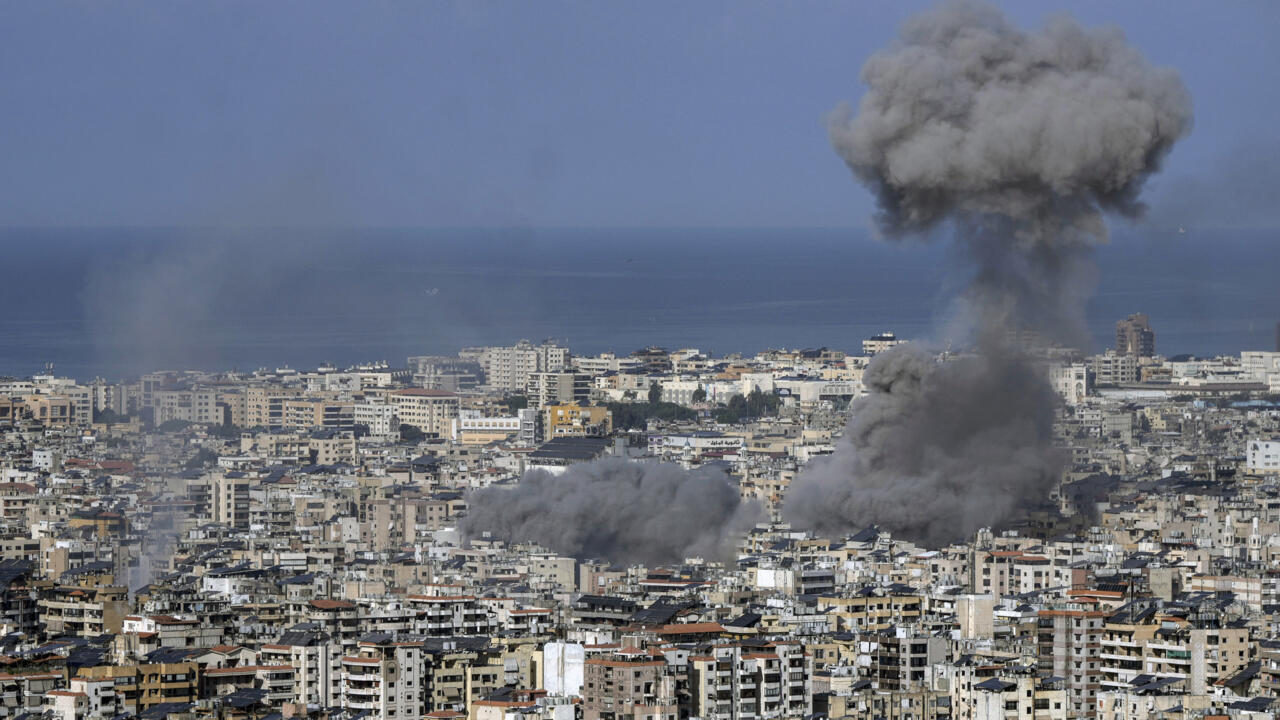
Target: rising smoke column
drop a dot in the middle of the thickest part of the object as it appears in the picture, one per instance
(627, 512)
(1023, 141)
(936, 450)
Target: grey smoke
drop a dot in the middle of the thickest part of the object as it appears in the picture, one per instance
(156, 548)
(936, 450)
(1022, 142)
(626, 512)
(967, 115)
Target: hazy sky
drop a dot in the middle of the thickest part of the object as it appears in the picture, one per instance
(434, 113)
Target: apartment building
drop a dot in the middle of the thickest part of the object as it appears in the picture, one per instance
(981, 692)
(508, 368)
(1114, 368)
(257, 403)
(230, 498)
(1263, 456)
(431, 411)
(82, 611)
(450, 615)
(629, 686)
(903, 659)
(1135, 337)
(1069, 643)
(137, 687)
(735, 682)
(310, 413)
(316, 662)
(196, 406)
(1195, 658)
(573, 420)
(544, 389)
(871, 612)
(378, 416)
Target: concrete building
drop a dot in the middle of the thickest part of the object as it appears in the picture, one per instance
(624, 686)
(230, 498)
(431, 411)
(557, 388)
(745, 683)
(1068, 645)
(1114, 368)
(879, 343)
(573, 420)
(1072, 382)
(1263, 456)
(1135, 337)
(508, 368)
(386, 678)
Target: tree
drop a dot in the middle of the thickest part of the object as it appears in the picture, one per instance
(109, 417)
(655, 393)
(515, 402)
(169, 426)
(636, 416)
(699, 395)
(411, 433)
(752, 406)
(226, 431)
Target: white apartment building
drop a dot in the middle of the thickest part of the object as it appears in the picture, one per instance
(508, 368)
(557, 388)
(605, 362)
(1261, 366)
(316, 666)
(386, 679)
(1263, 456)
(379, 417)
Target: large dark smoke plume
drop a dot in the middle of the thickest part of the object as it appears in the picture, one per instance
(1023, 141)
(936, 450)
(626, 512)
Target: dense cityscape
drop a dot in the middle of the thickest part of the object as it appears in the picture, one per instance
(983, 511)
(292, 542)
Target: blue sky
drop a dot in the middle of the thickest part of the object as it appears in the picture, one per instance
(519, 113)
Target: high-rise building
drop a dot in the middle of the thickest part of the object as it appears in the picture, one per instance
(1135, 337)
(508, 368)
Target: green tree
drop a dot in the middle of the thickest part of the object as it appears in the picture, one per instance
(636, 416)
(169, 426)
(411, 433)
(655, 393)
(699, 395)
(226, 431)
(109, 417)
(742, 408)
(515, 402)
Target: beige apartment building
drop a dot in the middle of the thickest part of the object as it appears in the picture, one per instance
(431, 411)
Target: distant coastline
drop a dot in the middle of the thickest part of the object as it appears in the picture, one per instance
(115, 302)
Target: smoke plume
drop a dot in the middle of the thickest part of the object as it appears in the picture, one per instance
(936, 450)
(1022, 141)
(626, 512)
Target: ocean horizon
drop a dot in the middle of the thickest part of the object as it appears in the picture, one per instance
(115, 302)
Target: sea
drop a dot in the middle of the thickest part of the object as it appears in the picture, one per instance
(116, 302)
